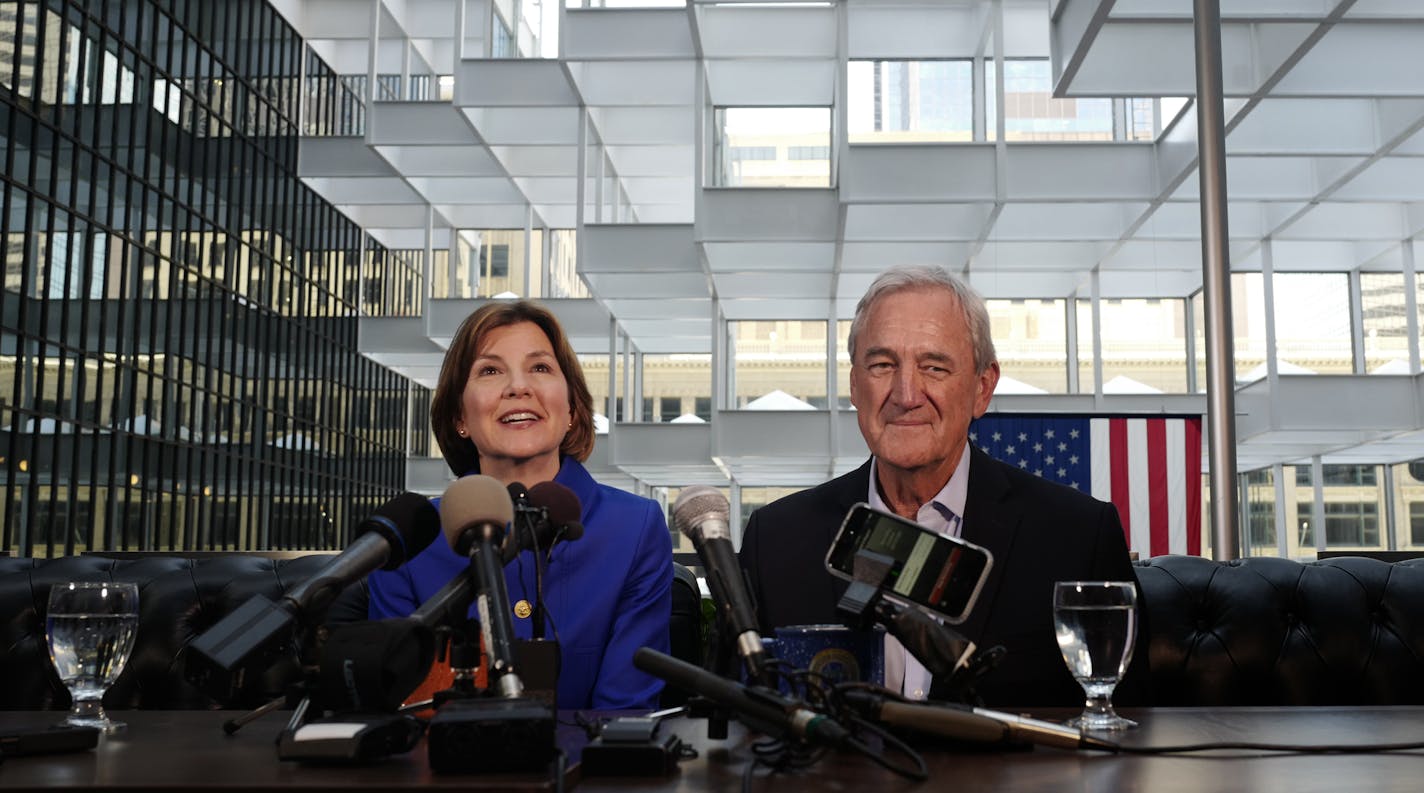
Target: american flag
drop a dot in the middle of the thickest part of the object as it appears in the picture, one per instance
(1150, 468)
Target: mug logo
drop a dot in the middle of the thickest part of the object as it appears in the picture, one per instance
(835, 664)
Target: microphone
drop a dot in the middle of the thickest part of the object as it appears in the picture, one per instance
(473, 513)
(975, 725)
(701, 513)
(557, 509)
(454, 599)
(254, 635)
(563, 509)
(762, 709)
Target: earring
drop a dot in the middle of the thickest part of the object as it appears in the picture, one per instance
(462, 432)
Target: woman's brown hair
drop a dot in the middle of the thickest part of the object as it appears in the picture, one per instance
(460, 452)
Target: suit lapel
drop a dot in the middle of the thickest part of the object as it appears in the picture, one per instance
(991, 520)
(849, 490)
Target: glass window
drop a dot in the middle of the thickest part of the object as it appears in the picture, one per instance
(672, 384)
(1031, 339)
(754, 144)
(1248, 326)
(1312, 313)
(778, 365)
(910, 101)
(1385, 324)
(1416, 523)
(1261, 512)
(1144, 346)
(1031, 112)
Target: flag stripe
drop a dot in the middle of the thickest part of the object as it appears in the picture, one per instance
(1176, 461)
(1117, 463)
(1157, 486)
(1098, 449)
(1191, 429)
(1139, 487)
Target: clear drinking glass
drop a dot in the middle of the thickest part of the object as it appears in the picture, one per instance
(91, 628)
(1096, 623)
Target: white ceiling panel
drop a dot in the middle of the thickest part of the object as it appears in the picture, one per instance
(915, 222)
(734, 257)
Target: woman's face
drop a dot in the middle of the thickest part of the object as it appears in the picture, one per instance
(515, 406)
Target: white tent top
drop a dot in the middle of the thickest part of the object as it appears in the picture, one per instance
(1122, 384)
(1282, 367)
(688, 418)
(1008, 385)
(777, 400)
(1393, 366)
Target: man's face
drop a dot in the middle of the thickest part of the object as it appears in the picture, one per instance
(913, 383)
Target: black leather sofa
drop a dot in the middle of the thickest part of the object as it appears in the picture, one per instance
(180, 598)
(1258, 631)
(1267, 631)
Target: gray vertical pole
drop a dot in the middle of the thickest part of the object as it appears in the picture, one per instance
(1317, 501)
(1411, 305)
(1216, 282)
(1278, 478)
(1190, 315)
(1357, 324)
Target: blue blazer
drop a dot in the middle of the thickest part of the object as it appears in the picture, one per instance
(607, 594)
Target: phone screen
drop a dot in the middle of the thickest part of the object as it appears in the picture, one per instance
(943, 574)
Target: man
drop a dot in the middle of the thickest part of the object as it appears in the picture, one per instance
(922, 368)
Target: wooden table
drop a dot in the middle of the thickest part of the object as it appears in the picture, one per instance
(188, 750)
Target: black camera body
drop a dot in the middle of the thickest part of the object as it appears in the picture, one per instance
(482, 735)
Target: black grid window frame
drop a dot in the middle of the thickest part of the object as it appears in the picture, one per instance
(178, 361)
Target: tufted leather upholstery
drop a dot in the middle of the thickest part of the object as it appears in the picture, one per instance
(1258, 631)
(1266, 631)
(179, 598)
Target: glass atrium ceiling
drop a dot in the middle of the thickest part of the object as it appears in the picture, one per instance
(737, 161)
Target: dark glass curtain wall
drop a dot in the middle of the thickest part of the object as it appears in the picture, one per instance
(178, 362)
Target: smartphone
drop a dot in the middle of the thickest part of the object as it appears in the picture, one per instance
(47, 740)
(942, 574)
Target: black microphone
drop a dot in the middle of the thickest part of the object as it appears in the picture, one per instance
(975, 725)
(563, 510)
(762, 709)
(701, 513)
(254, 635)
(558, 511)
(473, 513)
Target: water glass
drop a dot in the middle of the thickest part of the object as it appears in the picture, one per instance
(91, 627)
(1096, 623)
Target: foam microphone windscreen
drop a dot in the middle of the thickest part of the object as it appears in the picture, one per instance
(701, 513)
(562, 506)
(413, 521)
(473, 501)
(373, 666)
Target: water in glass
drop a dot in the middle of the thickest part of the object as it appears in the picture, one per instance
(1096, 623)
(91, 628)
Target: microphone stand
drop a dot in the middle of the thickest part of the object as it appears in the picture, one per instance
(297, 696)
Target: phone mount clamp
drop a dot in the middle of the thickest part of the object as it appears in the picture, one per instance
(949, 656)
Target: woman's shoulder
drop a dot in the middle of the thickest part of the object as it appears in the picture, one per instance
(622, 501)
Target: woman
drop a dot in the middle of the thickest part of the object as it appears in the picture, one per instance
(511, 403)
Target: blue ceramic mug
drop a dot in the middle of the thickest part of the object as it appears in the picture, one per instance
(833, 651)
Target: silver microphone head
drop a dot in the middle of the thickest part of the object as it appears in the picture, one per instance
(702, 513)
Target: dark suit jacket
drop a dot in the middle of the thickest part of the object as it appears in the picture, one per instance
(1039, 532)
